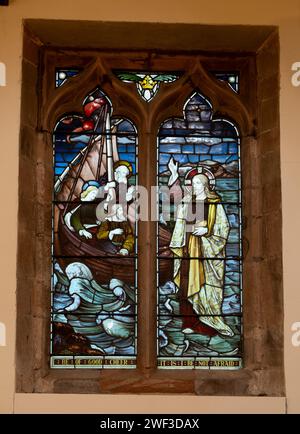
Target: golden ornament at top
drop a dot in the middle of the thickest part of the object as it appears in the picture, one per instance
(148, 82)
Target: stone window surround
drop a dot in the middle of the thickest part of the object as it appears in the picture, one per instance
(256, 111)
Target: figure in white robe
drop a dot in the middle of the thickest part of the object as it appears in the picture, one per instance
(205, 236)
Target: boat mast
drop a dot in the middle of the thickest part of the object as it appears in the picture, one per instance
(109, 153)
(89, 146)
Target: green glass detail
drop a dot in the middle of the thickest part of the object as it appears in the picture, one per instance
(147, 83)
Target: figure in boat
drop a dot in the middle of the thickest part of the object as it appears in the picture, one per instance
(111, 202)
(118, 230)
(86, 222)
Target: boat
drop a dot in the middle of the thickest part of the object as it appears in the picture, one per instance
(91, 163)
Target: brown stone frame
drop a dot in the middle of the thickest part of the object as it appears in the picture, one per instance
(255, 110)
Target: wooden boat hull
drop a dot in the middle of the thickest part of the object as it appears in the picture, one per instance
(102, 258)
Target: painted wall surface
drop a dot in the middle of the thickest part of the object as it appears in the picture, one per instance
(265, 12)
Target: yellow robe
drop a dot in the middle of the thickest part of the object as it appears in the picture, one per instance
(123, 241)
(206, 277)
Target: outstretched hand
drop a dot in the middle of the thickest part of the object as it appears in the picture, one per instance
(173, 166)
(85, 234)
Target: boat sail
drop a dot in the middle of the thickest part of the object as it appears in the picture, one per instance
(96, 141)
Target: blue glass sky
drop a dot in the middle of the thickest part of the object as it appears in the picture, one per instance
(66, 152)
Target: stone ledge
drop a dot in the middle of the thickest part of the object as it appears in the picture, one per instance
(148, 404)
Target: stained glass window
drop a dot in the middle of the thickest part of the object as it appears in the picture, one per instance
(147, 83)
(231, 78)
(62, 75)
(200, 266)
(94, 250)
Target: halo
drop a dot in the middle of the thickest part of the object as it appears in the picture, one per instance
(197, 171)
(123, 163)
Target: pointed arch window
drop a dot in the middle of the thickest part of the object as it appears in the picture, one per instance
(199, 304)
(94, 239)
(95, 249)
(166, 315)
